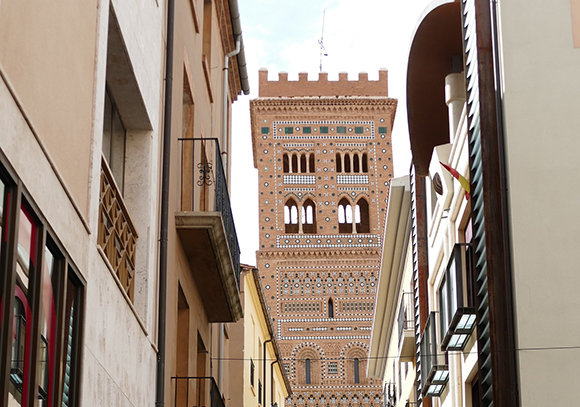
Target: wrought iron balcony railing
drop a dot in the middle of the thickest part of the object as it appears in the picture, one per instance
(196, 392)
(204, 187)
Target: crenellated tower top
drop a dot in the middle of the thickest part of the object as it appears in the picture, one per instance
(323, 87)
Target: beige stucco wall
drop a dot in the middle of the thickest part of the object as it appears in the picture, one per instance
(47, 53)
(246, 336)
(541, 114)
(52, 61)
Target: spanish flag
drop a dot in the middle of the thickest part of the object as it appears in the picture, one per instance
(464, 182)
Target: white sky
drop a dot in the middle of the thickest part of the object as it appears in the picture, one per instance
(282, 36)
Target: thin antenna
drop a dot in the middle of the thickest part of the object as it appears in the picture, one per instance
(321, 41)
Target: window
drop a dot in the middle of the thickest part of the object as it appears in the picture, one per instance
(356, 163)
(285, 163)
(365, 166)
(330, 308)
(338, 163)
(252, 371)
(309, 217)
(362, 216)
(332, 368)
(307, 372)
(344, 216)
(35, 270)
(294, 168)
(114, 141)
(303, 163)
(291, 216)
(347, 163)
(356, 371)
(207, 25)
(311, 163)
(188, 107)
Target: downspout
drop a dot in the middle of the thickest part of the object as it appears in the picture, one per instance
(224, 146)
(224, 151)
(264, 370)
(221, 357)
(160, 385)
(237, 31)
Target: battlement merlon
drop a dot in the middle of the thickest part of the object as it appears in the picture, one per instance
(323, 87)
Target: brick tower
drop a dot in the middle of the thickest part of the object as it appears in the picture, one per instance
(323, 153)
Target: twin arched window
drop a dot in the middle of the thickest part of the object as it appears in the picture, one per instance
(307, 221)
(351, 218)
(356, 164)
(294, 163)
(359, 223)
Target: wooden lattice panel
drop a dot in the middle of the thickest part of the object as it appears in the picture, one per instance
(117, 235)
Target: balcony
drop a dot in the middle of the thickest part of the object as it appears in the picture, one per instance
(457, 316)
(434, 369)
(196, 391)
(406, 328)
(205, 226)
(117, 235)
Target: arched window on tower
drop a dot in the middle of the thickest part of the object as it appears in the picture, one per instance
(307, 372)
(285, 163)
(356, 163)
(338, 163)
(291, 216)
(347, 163)
(365, 165)
(309, 217)
(303, 163)
(311, 162)
(361, 216)
(344, 216)
(330, 308)
(294, 163)
(356, 371)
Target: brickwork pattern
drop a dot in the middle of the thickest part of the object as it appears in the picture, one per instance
(320, 271)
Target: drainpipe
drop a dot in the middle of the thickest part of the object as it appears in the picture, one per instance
(224, 150)
(160, 385)
(264, 370)
(221, 357)
(237, 31)
(225, 147)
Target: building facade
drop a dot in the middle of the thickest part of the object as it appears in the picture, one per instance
(323, 153)
(203, 266)
(82, 122)
(255, 365)
(79, 161)
(492, 259)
